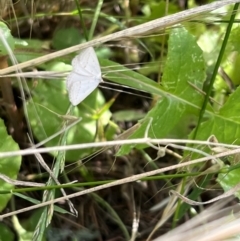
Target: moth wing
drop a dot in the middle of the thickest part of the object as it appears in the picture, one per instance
(79, 90)
(86, 63)
(72, 77)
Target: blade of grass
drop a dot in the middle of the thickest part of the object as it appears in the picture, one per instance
(81, 19)
(95, 19)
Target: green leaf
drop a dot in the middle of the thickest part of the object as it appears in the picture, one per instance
(8, 37)
(184, 64)
(30, 49)
(165, 115)
(66, 37)
(9, 166)
(229, 180)
(5, 233)
(226, 128)
(233, 43)
(158, 9)
(231, 108)
(226, 124)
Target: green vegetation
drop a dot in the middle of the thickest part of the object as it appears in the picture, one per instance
(180, 82)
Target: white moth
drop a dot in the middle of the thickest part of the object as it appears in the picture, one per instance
(85, 76)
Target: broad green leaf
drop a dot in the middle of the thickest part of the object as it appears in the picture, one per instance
(165, 115)
(124, 76)
(229, 180)
(8, 37)
(226, 124)
(184, 64)
(231, 108)
(33, 48)
(158, 9)
(9, 166)
(226, 128)
(233, 44)
(66, 37)
(6, 233)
